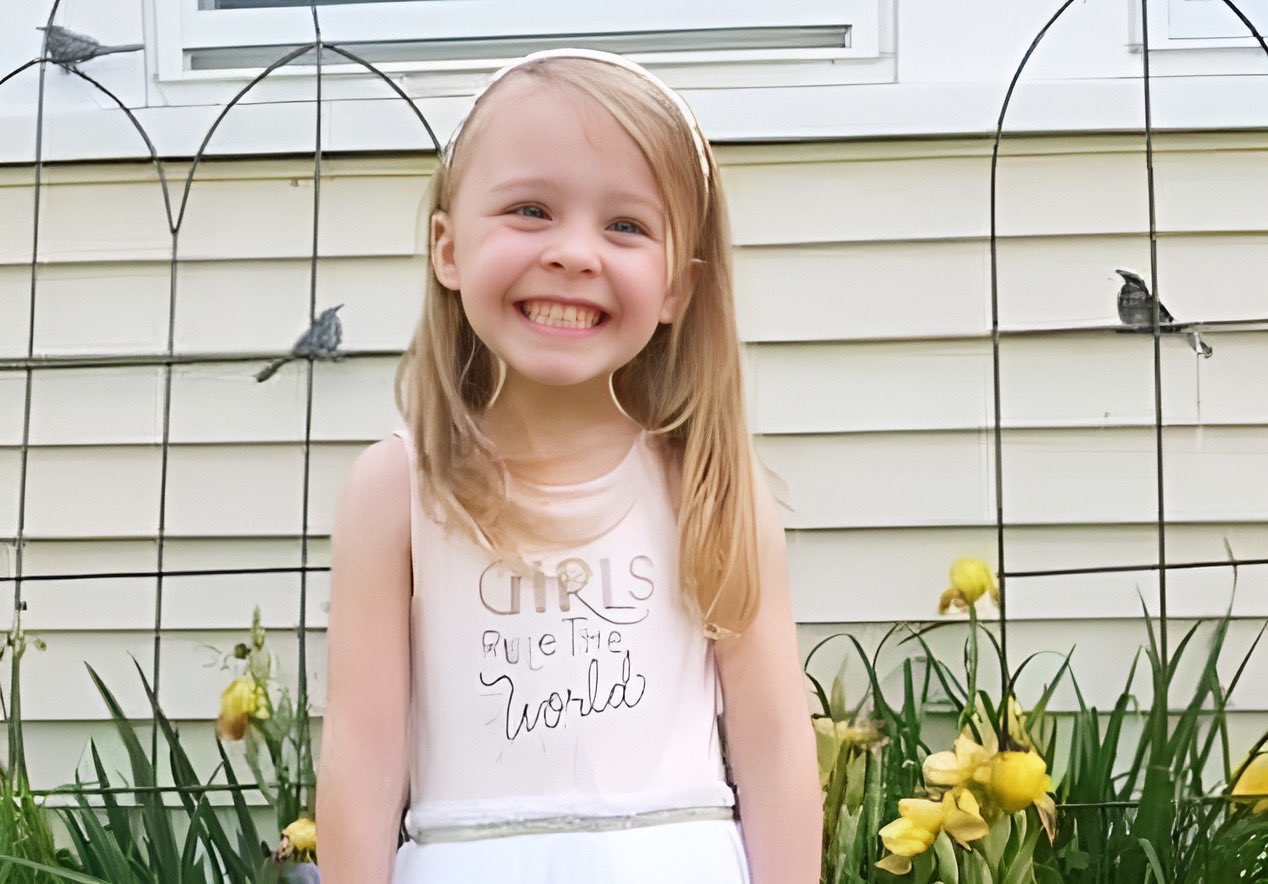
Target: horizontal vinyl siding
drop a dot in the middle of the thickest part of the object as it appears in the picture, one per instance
(863, 283)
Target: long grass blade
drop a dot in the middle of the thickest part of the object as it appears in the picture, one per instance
(65, 874)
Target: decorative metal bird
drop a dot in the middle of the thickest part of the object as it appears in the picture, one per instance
(67, 48)
(321, 341)
(1136, 309)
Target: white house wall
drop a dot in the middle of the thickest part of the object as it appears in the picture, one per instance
(940, 68)
(863, 282)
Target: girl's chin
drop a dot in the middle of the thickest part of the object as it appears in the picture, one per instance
(539, 376)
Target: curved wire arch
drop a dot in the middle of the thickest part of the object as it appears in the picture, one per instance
(1007, 679)
(13, 723)
(317, 45)
(20, 68)
(145, 136)
(174, 221)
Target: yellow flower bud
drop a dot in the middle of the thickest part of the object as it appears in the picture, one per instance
(865, 734)
(905, 838)
(1254, 781)
(1018, 779)
(302, 835)
(1017, 724)
(242, 699)
(827, 747)
(971, 578)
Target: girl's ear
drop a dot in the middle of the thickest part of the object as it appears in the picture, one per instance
(442, 249)
(674, 297)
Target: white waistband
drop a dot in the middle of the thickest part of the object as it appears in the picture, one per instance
(505, 828)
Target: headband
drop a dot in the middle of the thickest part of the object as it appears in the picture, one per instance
(611, 58)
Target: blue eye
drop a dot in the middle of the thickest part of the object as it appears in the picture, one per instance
(637, 227)
(530, 211)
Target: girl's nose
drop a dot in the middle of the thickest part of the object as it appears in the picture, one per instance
(573, 250)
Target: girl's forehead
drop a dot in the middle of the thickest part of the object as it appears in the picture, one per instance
(533, 130)
(516, 91)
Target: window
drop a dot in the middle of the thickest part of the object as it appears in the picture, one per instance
(1213, 20)
(1201, 40)
(210, 39)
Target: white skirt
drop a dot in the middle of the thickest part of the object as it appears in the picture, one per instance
(687, 852)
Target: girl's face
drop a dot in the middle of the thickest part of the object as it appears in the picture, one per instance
(556, 238)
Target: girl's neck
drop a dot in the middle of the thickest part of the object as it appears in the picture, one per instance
(547, 432)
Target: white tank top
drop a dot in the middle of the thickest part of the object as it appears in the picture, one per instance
(589, 690)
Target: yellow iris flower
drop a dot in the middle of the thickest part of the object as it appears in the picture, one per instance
(919, 822)
(969, 762)
(1018, 779)
(971, 578)
(904, 839)
(243, 699)
(299, 842)
(1254, 781)
(1012, 780)
(302, 836)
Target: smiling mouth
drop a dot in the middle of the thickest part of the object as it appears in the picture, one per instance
(554, 315)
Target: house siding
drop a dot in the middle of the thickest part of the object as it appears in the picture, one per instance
(863, 282)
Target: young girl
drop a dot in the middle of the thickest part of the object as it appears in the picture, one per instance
(559, 594)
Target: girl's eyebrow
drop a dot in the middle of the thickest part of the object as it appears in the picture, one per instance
(630, 197)
(512, 183)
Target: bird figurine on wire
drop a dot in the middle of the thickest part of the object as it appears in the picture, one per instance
(1136, 309)
(321, 341)
(67, 48)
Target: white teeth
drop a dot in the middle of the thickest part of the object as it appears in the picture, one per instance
(559, 316)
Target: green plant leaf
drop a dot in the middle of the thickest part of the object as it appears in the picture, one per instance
(823, 698)
(120, 827)
(161, 842)
(65, 874)
(1020, 869)
(1155, 864)
(836, 700)
(110, 859)
(948, 867)
(191, 868)
(209, 828)
(248, 835)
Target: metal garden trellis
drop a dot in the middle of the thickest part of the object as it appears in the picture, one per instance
(170, 358)
(1161, 566)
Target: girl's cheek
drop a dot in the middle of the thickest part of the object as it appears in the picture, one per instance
(511, 237)
(655, 265)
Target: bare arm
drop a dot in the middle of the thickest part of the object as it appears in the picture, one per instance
(770, 740)
(362, 779)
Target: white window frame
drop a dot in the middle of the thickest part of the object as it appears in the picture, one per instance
(1199, 24)
(1213, 23)
(180, 28)
(1200, 38)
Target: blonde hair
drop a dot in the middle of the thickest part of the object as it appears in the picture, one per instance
(685, 385)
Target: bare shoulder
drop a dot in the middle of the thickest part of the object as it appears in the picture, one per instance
(381, 470)
(372, 512)
(383, 464)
